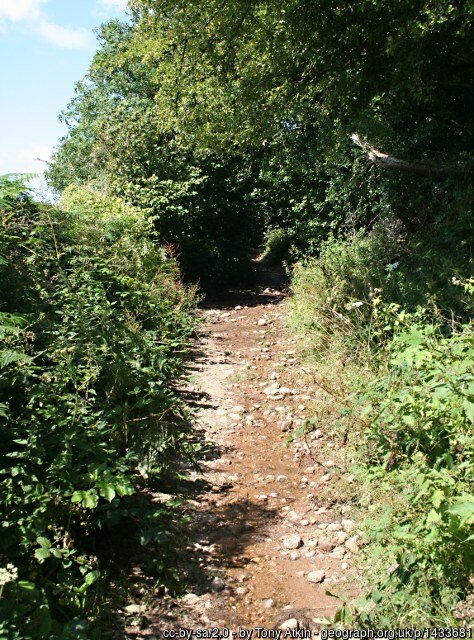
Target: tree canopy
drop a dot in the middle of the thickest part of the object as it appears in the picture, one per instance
(198, 112)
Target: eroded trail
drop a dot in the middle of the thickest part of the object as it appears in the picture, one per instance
(267, 538)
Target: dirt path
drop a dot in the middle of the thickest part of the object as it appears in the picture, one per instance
(268, 538)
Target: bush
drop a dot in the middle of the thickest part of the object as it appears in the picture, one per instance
(337, 289)
(95, 327)
(277, 245)
(416, 421)
(86, 201)
(386, 317)
(333, 294)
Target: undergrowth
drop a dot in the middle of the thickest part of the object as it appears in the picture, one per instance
(394, 359)
(94, 328)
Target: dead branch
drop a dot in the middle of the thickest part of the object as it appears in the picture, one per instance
(386, 161)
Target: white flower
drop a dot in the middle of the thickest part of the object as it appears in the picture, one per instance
(8, 574)
(354, 305)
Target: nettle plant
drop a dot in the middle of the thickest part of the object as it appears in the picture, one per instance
(417, 417)
(95, 328)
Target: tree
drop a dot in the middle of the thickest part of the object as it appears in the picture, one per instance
(119, 143)
(205, 113)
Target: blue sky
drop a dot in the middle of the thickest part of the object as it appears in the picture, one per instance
(45, 47)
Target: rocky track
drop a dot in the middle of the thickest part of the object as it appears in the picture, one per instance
(267, 538)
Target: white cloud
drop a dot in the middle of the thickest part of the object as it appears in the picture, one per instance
(31, 13)
(16, 10)
(65, 37)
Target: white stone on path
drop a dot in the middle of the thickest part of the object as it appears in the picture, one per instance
(348, 525)
(293, 542)
(353, 544)
(291, 623)
(317, 576)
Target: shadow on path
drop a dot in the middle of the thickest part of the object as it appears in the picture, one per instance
(270, 285)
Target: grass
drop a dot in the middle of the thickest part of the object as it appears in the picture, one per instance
(395, 390)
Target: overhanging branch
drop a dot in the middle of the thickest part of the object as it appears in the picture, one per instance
(386, 161)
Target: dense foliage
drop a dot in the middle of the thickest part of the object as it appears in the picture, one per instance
(198, 200)
(405, 404)
(417, 421)
(94, 325)
(203, 113)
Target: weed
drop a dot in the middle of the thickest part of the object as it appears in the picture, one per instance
(94, 330)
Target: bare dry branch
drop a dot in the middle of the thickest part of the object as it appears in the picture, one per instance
(386, 161)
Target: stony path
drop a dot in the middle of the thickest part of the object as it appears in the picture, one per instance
(267, 534)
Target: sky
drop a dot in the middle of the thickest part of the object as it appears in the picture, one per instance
(46, 46)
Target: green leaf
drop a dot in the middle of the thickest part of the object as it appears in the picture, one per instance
(43, 542)
(376, 596)
(26, 585)
(124, 489)
(409, 420)
(90, 499)
(433, 517)
(108, 492)
(437, 498)
(42, 554)
(77, 496)
(468, 407)
(464, 509)
(91, 577)
(8, 357)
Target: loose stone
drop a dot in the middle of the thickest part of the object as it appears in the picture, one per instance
(317, 576)
(291, 623)
(217, 584)
(348, 525)
(293, 542)
(268, 603)
(353, 544)
(326, 544)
